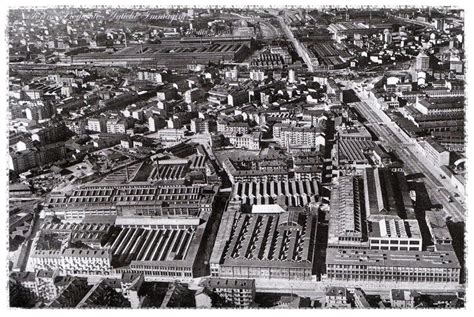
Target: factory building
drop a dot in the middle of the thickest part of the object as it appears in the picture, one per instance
(290, 193)
(132, 199)
(265, 245)
(172, 55)
(374, 236)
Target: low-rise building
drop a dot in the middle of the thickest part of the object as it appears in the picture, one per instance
(402, 298)
(435, 152)
(336, 297)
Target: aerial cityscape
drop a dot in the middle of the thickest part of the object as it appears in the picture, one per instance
(253, 157)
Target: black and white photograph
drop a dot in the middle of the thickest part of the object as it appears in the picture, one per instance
(235, 157)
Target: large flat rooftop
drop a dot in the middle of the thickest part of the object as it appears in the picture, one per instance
(393, 228)
(437, 226)
(382, 258)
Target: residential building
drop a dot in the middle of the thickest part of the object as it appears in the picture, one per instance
(193, 95)
(97, 124)
(170, 137)
(422, 62)
(299, 138)
(239, 292)
(156, 123)
(402, 298)
(118, 125)
(336, 297)
(249, 141)
(199, 125)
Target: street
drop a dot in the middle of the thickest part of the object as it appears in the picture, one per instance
(409, 153)
(296, 43)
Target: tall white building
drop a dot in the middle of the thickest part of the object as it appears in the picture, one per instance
(257, 75)
(422, 62)
(387, 36)
(292, 76)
